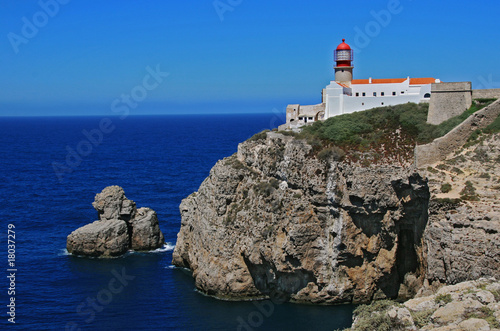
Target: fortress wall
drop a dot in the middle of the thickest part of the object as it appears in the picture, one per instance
(448, 100)
(456, 138)
(292, 112)
(493, 93)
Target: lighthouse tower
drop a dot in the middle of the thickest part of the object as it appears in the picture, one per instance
(343, 57)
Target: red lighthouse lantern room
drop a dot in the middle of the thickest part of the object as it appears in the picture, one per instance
(343, 55)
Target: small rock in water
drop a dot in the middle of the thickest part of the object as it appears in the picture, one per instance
(121, 226)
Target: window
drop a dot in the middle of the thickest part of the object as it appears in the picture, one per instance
(374, 94)
(310, 118)
(393, 93)
(382, 103)
(357, 94)
(382, 93)
(364, 94)
(362, 104)
(402, 92)
(301, 118)
(427, 95)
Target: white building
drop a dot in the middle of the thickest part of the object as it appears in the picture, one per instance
(347, 95)
(360, 94)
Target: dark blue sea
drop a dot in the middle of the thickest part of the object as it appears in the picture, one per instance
(51, 170)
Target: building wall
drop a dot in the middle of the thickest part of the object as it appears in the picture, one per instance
(339, 102)
(440, 148)
(486, 94)
(448, 100)
(292, 112)
(343, 74)
(298, 115)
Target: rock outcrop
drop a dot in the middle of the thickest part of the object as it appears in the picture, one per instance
(276, 219)
(466, 306)
(121, 226)
(462, 239)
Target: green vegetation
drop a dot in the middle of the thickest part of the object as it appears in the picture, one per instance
(445, 298)
(480, 155)
(483, 102)
(446, 187)
(289, 133)
(447, 201)
(457, 159)
(493, 127)
(259, 136)
(422, 318)
(476, 136)
(442, 166)
(266, 188)
(371, 127)
(496, 294)
(469, 192)
(331, 152)
(485, 175)
(235, 163)
(484, 313)
(374, 317)
(432, 170)
(386, 131)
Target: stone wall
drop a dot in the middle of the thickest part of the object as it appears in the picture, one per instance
(448, 100)
(299, 115)
(456, 138)
(493, 93)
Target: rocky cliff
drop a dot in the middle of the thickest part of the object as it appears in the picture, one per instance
(462, 238)
(276, 219)
(467, 306)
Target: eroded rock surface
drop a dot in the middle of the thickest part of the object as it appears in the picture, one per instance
(466, 306)
(100, 239)
(146, 234)
(462, 240)
(274, 219)
(121, 226)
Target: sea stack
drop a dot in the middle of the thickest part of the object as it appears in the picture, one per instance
(121, 226)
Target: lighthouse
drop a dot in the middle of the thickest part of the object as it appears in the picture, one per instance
(343, 57)
(347, 95)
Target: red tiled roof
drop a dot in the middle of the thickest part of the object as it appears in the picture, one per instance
(413, 81)
(422, 81)
(343, 85)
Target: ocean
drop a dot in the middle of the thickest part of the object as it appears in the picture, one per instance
(52, 167)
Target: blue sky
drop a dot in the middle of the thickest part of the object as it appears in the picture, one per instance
(228, 55)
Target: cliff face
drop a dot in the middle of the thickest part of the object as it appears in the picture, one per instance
(462, 241)
(276, 220)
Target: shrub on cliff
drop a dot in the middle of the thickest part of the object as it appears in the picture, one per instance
(374, 317)
(259, 136)
(469, 192)
(371, 127)
(446, 187)
(331, 152)
(493, 127)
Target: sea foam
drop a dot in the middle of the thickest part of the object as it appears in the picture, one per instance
(167, 247)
